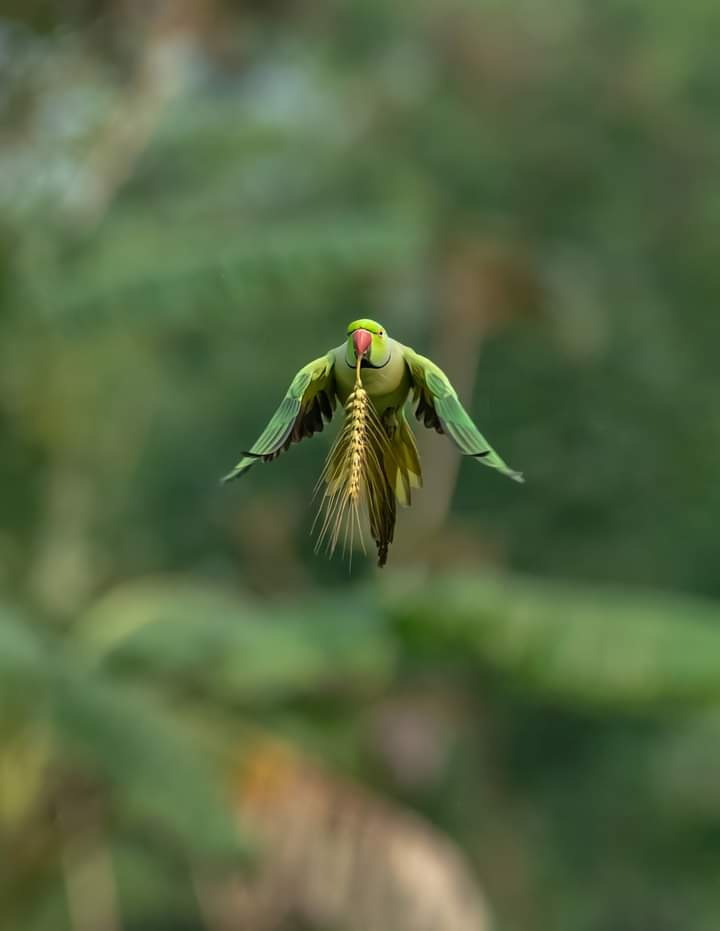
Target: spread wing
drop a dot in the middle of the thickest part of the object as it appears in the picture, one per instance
(309, 402)
(439, 408)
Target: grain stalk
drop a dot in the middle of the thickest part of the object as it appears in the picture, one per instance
(353, 466)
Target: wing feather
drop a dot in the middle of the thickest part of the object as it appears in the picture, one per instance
(309, 402)
(439, 408)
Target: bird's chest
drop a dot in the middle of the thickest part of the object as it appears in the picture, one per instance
(387, 386)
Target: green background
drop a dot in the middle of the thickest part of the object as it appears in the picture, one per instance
(195, 199)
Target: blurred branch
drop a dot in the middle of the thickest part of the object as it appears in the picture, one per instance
(63, 571)
(168, 40)
(339, 856)
(87, 868)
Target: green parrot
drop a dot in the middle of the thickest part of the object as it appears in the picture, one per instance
(375, 458)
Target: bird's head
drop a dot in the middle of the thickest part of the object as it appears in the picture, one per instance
(367, 340)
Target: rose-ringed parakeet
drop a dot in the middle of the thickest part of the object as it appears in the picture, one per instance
(375, 458)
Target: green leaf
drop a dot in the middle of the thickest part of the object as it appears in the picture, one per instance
(155, 773)
(235, 649)
(24, 659)
(599, 646)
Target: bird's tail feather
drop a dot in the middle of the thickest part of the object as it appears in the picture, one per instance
(402, 463)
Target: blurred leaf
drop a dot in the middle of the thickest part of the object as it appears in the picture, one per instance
(155, 774)
(236, 649)
(58, 710)
(120, 277)
(601, 646)
(24, 663)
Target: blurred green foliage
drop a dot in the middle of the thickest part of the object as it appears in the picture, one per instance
(194, 200)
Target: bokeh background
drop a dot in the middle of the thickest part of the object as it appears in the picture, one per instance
(203, 725)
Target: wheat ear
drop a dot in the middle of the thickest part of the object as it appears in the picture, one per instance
(354, 463)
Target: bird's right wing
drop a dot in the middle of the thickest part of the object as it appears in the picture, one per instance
(309, 402)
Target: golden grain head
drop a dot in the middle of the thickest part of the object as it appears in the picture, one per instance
(350, 472)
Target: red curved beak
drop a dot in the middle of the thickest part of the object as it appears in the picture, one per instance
(362, 339)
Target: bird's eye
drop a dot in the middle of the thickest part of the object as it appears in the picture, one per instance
(381, 333)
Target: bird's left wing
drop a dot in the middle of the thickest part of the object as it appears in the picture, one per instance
(439, 408)
(309, 402)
